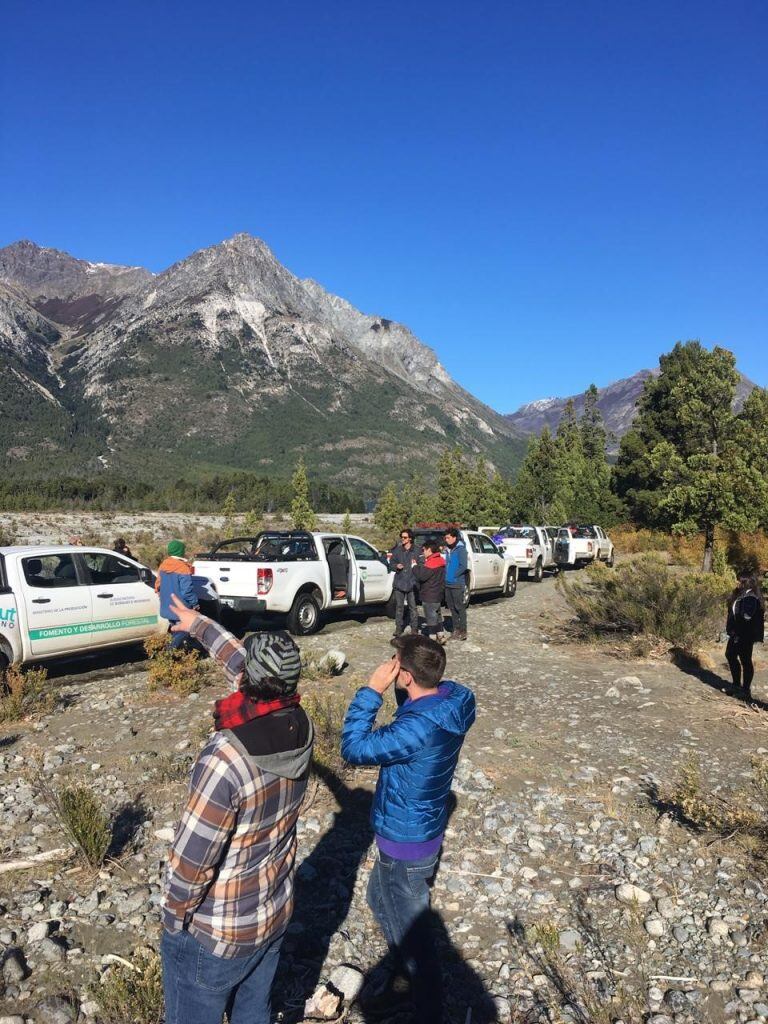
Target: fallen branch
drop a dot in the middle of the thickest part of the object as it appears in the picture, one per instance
(671, 977)
(61, 853)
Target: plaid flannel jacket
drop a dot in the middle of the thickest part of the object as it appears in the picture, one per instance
(231, 866)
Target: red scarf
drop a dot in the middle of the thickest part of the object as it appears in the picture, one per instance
(237, 709)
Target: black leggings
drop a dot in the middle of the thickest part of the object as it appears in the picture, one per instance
(738, 654)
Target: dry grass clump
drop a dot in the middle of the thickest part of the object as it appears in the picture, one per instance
(327, 712)
(588, 987)
(633, 540)
(131, 992)
(643, 597)
(81, 815)
(736, 813)
(24, 693)
(173, 669)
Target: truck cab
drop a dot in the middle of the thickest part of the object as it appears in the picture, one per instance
(58, 600)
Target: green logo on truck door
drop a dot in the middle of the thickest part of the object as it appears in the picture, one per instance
(79, 628)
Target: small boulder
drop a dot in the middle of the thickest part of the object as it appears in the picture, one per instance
(632, 894)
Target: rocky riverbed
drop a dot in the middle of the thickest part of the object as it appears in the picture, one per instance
(564, 889)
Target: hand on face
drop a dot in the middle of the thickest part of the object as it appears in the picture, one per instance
(385, 675)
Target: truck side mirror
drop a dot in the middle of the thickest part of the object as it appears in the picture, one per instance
(147, 576)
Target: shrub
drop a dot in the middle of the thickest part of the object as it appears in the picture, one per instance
(740, 812)
(172, 669)
(327, 713)
(6, 536)
(632, 540)
(25, 693)
(79, 811)
(644, 597)
(131, 993)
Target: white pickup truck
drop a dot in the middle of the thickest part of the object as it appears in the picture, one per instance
(579, 545)
(488, 569)
(297, 574)
(58, 601)
(531, 548)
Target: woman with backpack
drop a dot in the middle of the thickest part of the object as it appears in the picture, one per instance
(745, 627)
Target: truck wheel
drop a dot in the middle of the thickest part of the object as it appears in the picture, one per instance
(610, 562)
(304, 616)
(538, 572)
(510, 584)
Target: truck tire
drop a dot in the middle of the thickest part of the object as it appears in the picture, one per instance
(304, 616)
(538, 573)
(610, 561)
(510, 584)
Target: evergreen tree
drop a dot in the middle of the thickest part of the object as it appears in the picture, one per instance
(592, 427)
(253, 523)
(388, 515)
(536, 495)
(416, 503)
(690, 463)
(302, 514)
(346, 523)
(452, 482)
(229, 511)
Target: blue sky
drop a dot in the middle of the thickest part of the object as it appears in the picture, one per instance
(546, 193)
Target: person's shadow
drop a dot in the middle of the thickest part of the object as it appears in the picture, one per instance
(716, 682)
(324, 890)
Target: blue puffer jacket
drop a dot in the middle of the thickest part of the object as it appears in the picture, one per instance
(418, 753)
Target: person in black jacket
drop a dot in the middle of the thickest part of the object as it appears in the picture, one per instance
(745, 627)
(402, 560)
(430, 575)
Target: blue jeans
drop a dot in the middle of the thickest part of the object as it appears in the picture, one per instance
(398, 895)
(199, 986)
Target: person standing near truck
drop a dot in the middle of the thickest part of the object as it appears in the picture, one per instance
(745, 627)
(174, 576)
(456, 581)
(403, 560)
(430, 575)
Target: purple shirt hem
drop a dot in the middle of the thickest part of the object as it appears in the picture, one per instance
(409, 851)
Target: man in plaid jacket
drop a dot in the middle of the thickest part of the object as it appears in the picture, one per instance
(229, 890)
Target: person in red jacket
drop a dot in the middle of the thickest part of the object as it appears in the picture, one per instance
(431, 579)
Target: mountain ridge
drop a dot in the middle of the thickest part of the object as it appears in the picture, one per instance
(271, 366)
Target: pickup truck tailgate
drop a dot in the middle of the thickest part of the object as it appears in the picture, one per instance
(231, 578)
(516, 550)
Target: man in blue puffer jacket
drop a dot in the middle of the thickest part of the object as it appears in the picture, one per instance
(418, 752)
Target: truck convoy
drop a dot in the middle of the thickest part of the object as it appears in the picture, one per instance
(579, 545)
(531, 548)
(59, 600)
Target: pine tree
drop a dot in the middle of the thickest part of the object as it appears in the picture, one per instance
(592, 427)
(416, 503)
(452, 482)
(346, 523)
(536, 494)
(302, 514)
(690, 464)
(229, 511)
(253, 523)
(388, 515)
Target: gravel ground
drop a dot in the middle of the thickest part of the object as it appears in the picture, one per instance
(559, 874)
